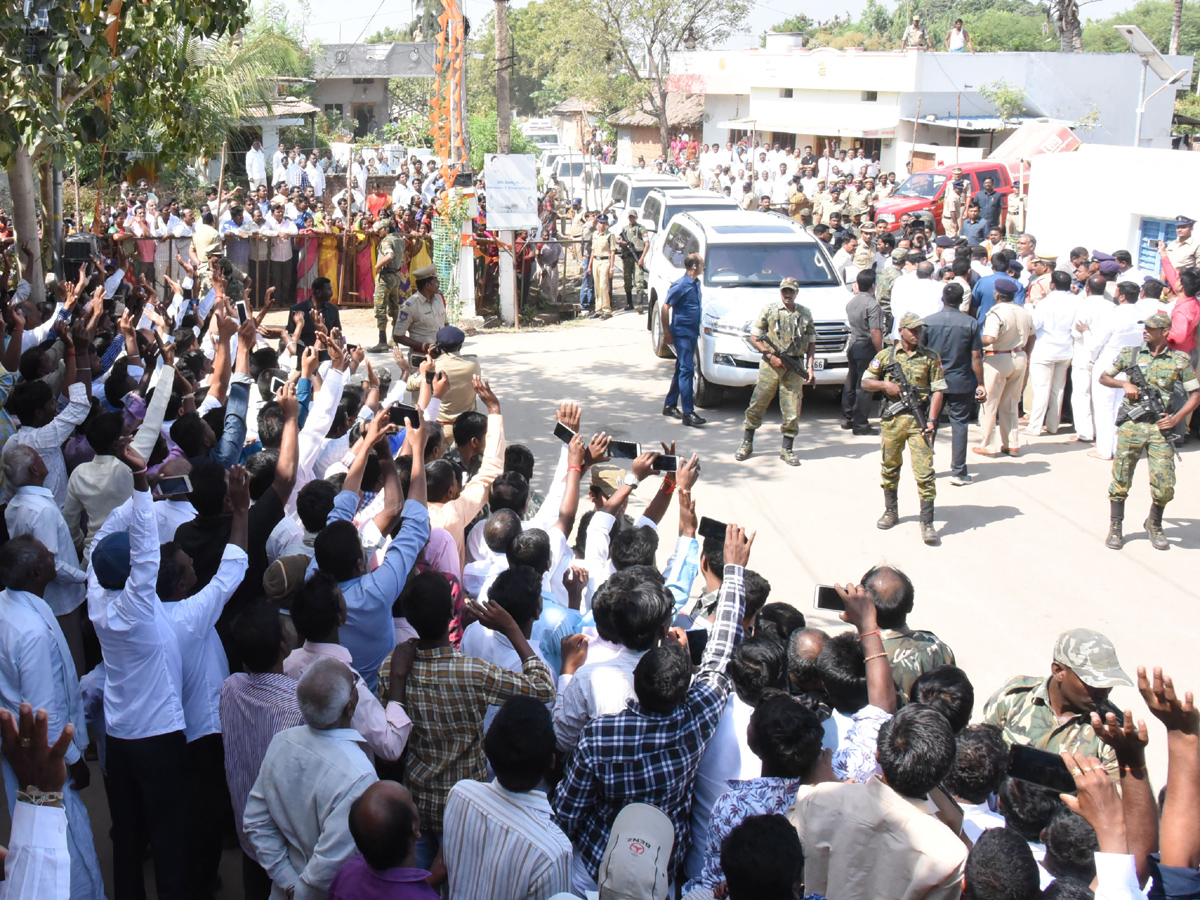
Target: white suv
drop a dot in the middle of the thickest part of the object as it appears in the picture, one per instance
(662, 205)
(628, 191)
(746, 256)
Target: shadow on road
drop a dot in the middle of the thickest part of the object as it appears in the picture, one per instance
(959, 519)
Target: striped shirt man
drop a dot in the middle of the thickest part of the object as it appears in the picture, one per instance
(254, 708)
(498, 843)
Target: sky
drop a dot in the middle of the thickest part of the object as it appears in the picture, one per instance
(347, 21)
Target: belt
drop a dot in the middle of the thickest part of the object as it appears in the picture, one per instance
(1014, 352)
(600, 257)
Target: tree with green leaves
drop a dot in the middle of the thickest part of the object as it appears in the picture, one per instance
(53, 83)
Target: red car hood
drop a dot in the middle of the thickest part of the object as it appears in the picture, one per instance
(897, 206)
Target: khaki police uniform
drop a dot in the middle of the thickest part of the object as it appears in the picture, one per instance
(1184, 254)
(953, 204)
(1038, 288)
(793, 332)
(923, 370)
(420, 318)
(1162, 373)
(1004, 367)
(460, 397)
(604, 248)
(387, 281)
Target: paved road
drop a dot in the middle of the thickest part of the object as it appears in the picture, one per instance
(1022, 555)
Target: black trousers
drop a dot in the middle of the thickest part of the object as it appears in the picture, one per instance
(148, 796)
(212, 812)
(256, 883)
(854, 399)
(958, 408)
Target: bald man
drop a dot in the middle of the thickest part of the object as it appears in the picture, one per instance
(385, 825)
(804, 646)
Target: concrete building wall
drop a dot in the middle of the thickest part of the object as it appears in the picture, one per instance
(349, 96)
(1107, 220)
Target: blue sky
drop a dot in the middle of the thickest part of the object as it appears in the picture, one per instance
(344, 21)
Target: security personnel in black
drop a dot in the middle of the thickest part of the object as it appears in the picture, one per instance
(630, 245)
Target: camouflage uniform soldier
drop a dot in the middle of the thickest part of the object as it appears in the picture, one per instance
(790, 326)
(387, 285)
(630, 245)
(1054, 713)
(1162, 368)
(923, 370)
(912, 653)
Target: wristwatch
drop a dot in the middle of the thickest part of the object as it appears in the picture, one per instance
(631, 480)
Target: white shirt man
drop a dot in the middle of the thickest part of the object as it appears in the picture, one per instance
(256, 166)
(1054, 322)
(33, 511)
(278, 165)
(402, 194)
(36, 667)
(316, 177)
(780, 191)
(1088, 312)
(48, 439)
(297, 814)
(279, 228)
(919, 294)
(1118, 328)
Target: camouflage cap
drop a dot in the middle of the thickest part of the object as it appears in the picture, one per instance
(1092, 657)
(607, 479)
(899, 254)
(789, 284)
(911, 321)
(1158, 320)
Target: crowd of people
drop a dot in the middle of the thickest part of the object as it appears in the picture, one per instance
(270, 591)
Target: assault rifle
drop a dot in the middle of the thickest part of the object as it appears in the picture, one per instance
(1149, 406)
(910, 398)
(790, 362)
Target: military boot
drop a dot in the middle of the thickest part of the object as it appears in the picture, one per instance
(382, 346)
(1158, 540)
(890, 515)
(928, 534)
(1116, 515)
(744, 451)
(786, 454)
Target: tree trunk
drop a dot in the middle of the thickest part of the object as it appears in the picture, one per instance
(1070, 30)
(1176, 24)
(46, 182)
(24, 201)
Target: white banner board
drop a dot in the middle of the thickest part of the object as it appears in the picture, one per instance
(512, 195)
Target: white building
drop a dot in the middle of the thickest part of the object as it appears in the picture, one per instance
(1155, 187)
(900, 102)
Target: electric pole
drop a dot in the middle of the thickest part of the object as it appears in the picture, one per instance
(508, 281)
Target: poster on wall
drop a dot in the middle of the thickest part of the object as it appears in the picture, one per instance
(512, 196)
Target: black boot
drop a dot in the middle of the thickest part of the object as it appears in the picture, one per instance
(1158, 540)
(928, 534)
(1116, 515)
(628, 301)
(890, 514)
(786, 454)
(744, 451)
(382, 346)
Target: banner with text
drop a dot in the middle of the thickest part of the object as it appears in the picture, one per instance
(512, 196)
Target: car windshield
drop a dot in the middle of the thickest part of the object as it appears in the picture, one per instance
(921, 185)
(567, 170)
(607, 178)
(766, 265)
(673, 209)
(638, 194)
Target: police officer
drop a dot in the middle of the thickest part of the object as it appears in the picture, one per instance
(631, 244)
(1162, 368)
(953, 207)
(604, 247)
(790, 326)
(1054, 714)
(421, 315)
(1042, 267)
(1184, 251)
(923, 370)
(387, 282)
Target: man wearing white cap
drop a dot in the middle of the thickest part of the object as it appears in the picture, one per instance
(1054, 713)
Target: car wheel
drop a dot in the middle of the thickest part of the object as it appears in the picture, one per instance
(658, 338)
(706, 395)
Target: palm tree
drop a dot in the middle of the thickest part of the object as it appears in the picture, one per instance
(1176, 24)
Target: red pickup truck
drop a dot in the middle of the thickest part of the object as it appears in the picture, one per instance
(922, 192)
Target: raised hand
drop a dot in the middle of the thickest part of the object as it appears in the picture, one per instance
(484, 390)
(1128, 739)
(688, 473)
(239, 488)
(24, 743)
(737, 545)
(1165, 705)
(597, 449)
(570, 414)
(128, 455)
(644, 464)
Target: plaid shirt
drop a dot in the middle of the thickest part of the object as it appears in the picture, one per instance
(637, 756)
(447, 696)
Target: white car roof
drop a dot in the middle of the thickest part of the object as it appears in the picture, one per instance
(739, 226)
(653, 179)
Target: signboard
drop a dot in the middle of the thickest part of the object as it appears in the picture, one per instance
(512, 194)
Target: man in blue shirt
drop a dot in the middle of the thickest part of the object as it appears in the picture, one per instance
(983, 295)
(991, 203)
(682, 323)
(973, 228)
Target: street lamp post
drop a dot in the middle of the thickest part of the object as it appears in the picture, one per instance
(1151, 59)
